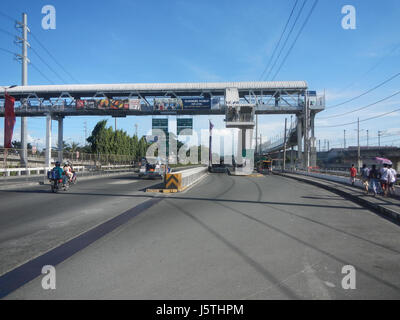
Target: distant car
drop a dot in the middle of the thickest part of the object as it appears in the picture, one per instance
(264, 167)
(218, 168)
(151, 171)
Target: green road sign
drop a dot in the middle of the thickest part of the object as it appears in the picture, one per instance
(181, 124)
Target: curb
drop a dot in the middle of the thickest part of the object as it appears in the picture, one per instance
(167, 190)
(380, 209)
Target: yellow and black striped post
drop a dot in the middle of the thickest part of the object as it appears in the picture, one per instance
(173, 181)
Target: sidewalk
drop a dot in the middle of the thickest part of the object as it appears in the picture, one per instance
(388, 207)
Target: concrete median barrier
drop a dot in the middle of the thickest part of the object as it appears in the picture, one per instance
(180, 181)
(183, 179)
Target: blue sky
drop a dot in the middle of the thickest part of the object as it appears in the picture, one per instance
(185, 41)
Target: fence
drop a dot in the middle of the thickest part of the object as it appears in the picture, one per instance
(11, 165)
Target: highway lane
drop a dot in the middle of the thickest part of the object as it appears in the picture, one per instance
(34, 220)
(236, 238)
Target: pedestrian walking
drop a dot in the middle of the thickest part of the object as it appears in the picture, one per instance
(392, 177)
(365, 177)
(374, 179)
(353, 174)
(384, 179)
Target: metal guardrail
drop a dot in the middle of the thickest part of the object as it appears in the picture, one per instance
(29, 170)
(42, 170)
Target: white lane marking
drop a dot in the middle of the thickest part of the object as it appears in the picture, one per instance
(123, 182)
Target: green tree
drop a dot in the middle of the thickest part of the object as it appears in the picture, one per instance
(106, 140)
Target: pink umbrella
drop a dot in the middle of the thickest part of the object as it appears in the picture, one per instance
(382, 160)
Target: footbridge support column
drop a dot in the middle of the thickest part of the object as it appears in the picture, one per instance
(48, 142)
(313, 147)
(24, 142)
(241, 148)
(60, 120)
(299, 142)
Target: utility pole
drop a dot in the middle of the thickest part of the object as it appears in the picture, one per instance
(319, 145)
(379, 138)
(284, 147)
(24, 81)
(367, 138)
(328, 145)
(136, 129)
(344, 138)
(358, 145)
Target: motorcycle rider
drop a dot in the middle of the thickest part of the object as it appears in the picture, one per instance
(72, 171)
(67, 170)
(59, 171)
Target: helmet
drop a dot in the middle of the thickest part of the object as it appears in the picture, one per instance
(57, 163)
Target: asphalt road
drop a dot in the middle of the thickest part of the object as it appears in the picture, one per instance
(225, 238)
(34, 220)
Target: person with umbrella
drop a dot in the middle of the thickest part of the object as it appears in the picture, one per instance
(392, 177)
(384, 179)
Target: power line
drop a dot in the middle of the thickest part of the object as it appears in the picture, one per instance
(47, 51)
(54, 59)
(364, 93)
(297, 36)
(372, 68)
(41, 59)
(42, 74)
(287, 38)
(8, 51)
(349, 123)
(365, 107)
(280, 38)
(7, 32)
(7, 16)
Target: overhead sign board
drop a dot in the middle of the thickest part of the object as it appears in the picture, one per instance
(115, 104)
(134, 104)
(184, 123)
(196, 103)
(167, 104)
(161, 124)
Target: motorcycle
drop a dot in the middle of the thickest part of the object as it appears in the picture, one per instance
(56, 183)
